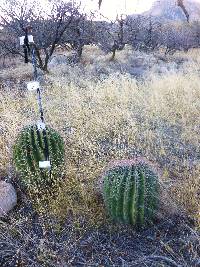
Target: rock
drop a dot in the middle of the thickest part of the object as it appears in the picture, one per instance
(138, 62)
(69, 59)
(137, 71)
(8, 198)
(57, 60)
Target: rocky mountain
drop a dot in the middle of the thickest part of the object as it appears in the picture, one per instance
(168, 10)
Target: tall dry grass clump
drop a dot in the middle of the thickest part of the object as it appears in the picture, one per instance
(115, 118)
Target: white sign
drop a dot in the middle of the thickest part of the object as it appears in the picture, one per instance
(33, 86)
(21, 39)
(41, 125)
(44, 164)
(30, 39)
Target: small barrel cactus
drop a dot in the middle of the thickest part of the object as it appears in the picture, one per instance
(32, 147)
(131, 192)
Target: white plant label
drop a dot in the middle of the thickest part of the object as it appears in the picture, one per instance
(21, 39)
(33, 86)
(30, 39)
(41, 125)
(44, 164)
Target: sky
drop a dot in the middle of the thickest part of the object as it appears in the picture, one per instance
(110, 8)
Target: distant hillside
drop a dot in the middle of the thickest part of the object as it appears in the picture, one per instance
(168, 10)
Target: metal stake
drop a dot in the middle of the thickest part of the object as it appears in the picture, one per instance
(39, 98)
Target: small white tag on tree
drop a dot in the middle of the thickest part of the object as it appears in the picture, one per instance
(44, 164)
(33, 86)
(41, 125)
(21, 39)
(30, 39)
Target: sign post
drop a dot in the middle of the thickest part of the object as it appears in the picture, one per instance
(27, 42)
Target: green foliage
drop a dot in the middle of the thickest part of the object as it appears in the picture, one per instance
(130, 190)
(30, 149)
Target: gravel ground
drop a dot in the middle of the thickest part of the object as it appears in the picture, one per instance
(29, 240)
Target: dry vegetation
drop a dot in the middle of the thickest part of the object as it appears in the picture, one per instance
(104, 117)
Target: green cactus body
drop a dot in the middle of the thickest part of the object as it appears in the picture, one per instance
(30, 149)
(130, 190)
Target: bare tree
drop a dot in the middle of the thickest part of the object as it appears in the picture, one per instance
(48, 27)
(147, 34)
(180, 3)
(100, 2)
(80, 33)
(196, 30)
(178, 36)
(110, 36)
(143, 32)
(119, 41)
(61, 23)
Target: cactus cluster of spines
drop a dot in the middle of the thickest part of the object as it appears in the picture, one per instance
(30, 149)
(131, 192)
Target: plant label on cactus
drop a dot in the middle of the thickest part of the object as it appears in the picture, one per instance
(45, 165)
(33, 86)
(41, 125)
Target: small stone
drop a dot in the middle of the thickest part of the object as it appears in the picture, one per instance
(8, 198)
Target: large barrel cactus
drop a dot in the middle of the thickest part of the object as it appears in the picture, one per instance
(131, 192)
(33, 146)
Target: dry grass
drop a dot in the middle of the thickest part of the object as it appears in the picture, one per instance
(103, 118)
(114, 118)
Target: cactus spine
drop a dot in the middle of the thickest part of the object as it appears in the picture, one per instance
(30, 149)
(130, 190)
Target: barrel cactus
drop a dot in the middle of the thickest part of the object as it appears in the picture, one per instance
(131, 192)
(32, 146)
